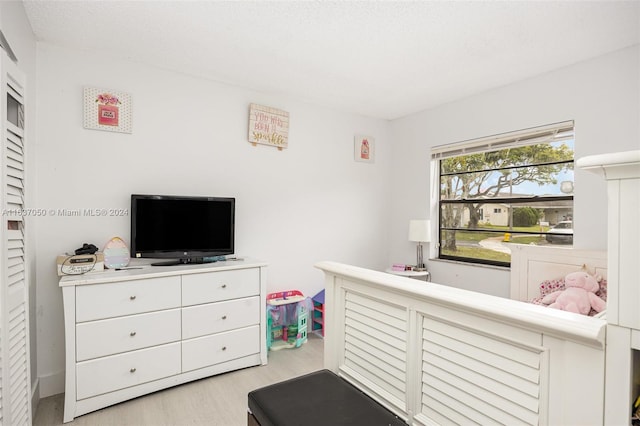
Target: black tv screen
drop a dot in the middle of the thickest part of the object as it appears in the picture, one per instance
(181, 227)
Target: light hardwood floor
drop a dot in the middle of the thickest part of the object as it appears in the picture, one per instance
(215, 401)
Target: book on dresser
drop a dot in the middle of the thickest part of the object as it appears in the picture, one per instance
(136, 331)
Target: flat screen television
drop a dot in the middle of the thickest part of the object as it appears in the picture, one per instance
(185, 229)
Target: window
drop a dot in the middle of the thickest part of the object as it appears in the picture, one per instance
(505, 189)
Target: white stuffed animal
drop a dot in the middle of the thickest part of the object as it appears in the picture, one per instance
(579, 295)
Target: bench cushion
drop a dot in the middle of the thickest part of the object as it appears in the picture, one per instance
(320, 398)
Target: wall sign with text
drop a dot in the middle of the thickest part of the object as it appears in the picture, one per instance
(268, 126)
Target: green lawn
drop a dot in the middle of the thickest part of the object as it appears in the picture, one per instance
(474, 236)
(532, 229)
(527, 239)
(478, 253)
(487, 254)
(479, 236)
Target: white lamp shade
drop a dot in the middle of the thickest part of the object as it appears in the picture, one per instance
(420, 230)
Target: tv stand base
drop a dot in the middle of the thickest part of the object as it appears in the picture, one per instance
(185, 261)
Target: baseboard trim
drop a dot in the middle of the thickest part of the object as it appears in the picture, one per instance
(51, 384)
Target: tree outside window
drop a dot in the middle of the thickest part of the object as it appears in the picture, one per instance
(491, 199)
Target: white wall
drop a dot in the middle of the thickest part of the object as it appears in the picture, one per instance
(17, 31)
(307, 203)
(294, 207)
(601, 95)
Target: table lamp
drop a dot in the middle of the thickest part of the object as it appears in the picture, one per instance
(420, 232)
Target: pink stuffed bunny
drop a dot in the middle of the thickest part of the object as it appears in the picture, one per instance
(578, 296)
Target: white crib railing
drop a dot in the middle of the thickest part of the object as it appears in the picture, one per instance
(433, 354)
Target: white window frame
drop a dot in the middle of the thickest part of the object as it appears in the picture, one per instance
(556, 132)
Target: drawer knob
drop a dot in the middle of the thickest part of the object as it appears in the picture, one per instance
(224, 348)
(132, 297)
(133, 370)
(133, 333)
(224, 317)
(224, 286)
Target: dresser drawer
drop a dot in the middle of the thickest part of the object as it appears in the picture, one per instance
(214, 349)
(220, 316)
(116, 372)
(129, 297)
(111, 336)
(222, 285)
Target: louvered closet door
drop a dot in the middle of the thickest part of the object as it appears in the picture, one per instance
(15, 393)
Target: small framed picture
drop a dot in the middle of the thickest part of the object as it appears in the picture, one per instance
(107, 110)
(364, 148)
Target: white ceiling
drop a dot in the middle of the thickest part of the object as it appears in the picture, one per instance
(382, 59)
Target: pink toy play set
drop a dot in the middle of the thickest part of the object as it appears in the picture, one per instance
(287, 314)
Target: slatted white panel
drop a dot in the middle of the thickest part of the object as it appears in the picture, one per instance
(14, 152)
(376, 345)
(15, 259)
(475, 378)
(15, 393)
(18, 388)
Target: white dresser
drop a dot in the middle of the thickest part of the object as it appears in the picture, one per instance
(132, 332)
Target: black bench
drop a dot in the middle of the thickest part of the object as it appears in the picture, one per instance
(320, 398)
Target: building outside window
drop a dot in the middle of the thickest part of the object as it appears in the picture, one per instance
(514, 188)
